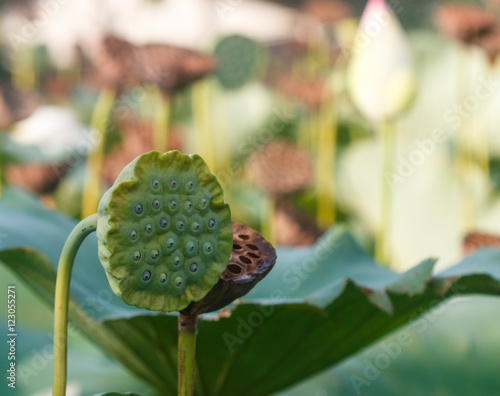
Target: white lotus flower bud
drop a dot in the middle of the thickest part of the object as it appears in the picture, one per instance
(380, 78)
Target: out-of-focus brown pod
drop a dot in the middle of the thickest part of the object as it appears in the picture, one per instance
(173, 67)
(464, 22)
(477, 240)
(251, 260)
(308, 91)
(36, 177)
(15, 105)
(281, 168)
(490, 44)
(326, 11)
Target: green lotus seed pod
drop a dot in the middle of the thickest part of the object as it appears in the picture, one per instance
(164, 231)
(239, 60)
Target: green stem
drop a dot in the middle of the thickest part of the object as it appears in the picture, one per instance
(382, 249)
(161, 123)
(203, 122)
(93, 167)
(188, 326)
(268, 220)
(75, 239)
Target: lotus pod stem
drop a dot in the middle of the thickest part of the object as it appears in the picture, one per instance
(75, 239)
(188, 328)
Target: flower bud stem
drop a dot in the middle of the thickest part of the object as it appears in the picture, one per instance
(188, 326)
(75, 239)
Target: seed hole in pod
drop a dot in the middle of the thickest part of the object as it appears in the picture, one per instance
(146, 275)
(195, 226)
(155, 184)
(177, 260)
(235, 269)
(138, 209)
(173, 183)
(244, 237)
(203, 203)
(236, 247)
(253, 255)
(173, 204)
(189, 185)
(193, 267)
(211, 223)
(155, 254)
(190, 246)
(189, 205)
(133, 235)
(163, 278)
(148, 228)
(208, 247)
(163, 223)
(170, 243)
(136, 256)
(253, 247)
(156, 204)
(245, 260)
(180, 224)
(178, 281)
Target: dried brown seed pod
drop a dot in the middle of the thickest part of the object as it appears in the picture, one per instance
(477, 240)
(251, 260)
(490, 43)
(294, 228)
(15, 105)
(310, 92)
(464, 22)
(173, 67)
(327, 11)
(117, 63)
(35, 177)
(280, 168)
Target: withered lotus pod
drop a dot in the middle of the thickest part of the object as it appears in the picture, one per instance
(117, 63)
(36, 177)
(281, 167)
(464, 22)
(327, 11)
(251, 260)
(173, 67)
(477, 240)
(15, 105)
(309, 91)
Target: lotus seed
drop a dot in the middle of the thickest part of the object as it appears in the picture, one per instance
(155, 183)
(148, 228)
(178, 281)
(211, 223)
(204, 203)
(189, 185)
(133, 235)
(173, 184)
(163, 223)
(163, 278)
(173, 204)
(156, 204)
(155, 254)
(136, 256)
(193, 267)
(177, 260)
(189, 206)
(190, 246)
(170, 243)
(208, 247)
(195, 226)
(146, 275)
(138, 208)
(180, 225)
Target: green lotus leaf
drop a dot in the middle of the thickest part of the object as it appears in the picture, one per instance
(164, 231)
